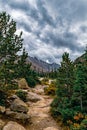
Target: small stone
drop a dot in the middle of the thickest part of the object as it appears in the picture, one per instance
(50, 128)
(2, 109)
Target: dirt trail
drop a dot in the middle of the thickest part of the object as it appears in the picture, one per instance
(40, 113)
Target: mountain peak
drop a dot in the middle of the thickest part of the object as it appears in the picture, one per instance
(42, 66)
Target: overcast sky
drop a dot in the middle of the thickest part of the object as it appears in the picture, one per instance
(50, 27)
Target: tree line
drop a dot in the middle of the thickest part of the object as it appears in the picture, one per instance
(70, 101)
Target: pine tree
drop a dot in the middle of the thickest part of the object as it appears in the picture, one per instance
(10, 45)
(65, 78)
(23, 68)
(79, 98)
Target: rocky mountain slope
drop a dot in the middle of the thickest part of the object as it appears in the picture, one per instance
(80, 59)
(41, 66)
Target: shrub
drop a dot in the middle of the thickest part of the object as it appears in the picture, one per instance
(31, 81)
(79, 122)
(51, 89)
(12, 87)
(84, 125)
(21, 94)
(45, 81)
(75, 126)
(67, 114)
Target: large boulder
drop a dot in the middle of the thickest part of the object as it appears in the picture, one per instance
(33, 97)
(19, 106)
(2, 123)
(10, 100)
(13, 126)
(23, 84)
(22, 117)
(38, 90)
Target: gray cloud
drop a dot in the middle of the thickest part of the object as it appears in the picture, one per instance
(83, 29)
(45, 15)
(50, 27)
(25, 26)
(71, 10)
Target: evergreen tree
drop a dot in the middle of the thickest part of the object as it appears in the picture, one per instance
(23, 68)
(79, 98)
(65, 78)
(10, 45)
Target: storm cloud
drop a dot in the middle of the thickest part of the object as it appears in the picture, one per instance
(50, 27)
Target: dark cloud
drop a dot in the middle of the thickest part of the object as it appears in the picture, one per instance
(45, 15)
(68, 40)
(83, 29)
(25, 26)
(50, 27)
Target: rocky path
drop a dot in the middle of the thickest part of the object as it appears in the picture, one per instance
(40, 113)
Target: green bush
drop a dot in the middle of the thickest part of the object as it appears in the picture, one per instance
(12, 87)
(31, 81)
(54, 108)
(83, 125)
(67, 114)
(21, 94)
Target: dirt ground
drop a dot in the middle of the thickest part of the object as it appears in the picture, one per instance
(40, 112)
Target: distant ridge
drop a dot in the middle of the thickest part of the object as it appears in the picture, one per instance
(80, 59)
(42, 66)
